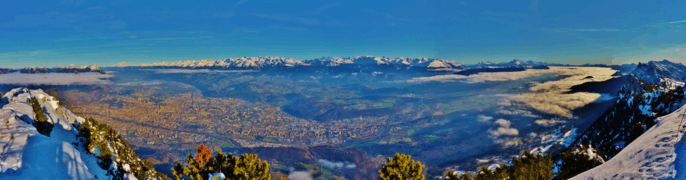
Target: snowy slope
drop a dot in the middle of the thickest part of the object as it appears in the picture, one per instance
(27, 154)
(639, 102)
(651, 156)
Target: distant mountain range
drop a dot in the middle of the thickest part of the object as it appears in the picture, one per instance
(360, 62)
(62, 69)
(280, 63)
(5, 71)
(513, 63)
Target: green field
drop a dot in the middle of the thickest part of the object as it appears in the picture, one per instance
(431, 137)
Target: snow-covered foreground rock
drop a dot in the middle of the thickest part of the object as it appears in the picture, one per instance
(650, 156)
(27, 154)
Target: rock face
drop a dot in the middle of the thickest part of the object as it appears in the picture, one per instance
(650, 156)
(279, 62)
(62, 69)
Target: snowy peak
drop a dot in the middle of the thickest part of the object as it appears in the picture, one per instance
(232, 63)
(401, 62)
(513, 63)
(654, 71)
(280, 62)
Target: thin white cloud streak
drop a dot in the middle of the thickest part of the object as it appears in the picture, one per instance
(594, 30)
(325, 7)
(545, 122)
(676, 22)
(533, 5)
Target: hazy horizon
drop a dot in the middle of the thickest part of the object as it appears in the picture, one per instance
(134, 63)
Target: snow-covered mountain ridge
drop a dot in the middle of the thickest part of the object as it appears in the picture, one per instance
(280, 62)
(62, 69)
(513, 63)
(655, 71)
(639, 103)
(73, 148)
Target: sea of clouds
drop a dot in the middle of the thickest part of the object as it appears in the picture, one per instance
(55, 78)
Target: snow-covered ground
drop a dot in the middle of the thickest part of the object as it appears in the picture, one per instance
(27, 154)
(651, 156)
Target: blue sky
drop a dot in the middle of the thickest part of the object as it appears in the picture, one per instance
(66, 32)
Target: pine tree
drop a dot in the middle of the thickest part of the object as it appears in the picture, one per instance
(463, 176)
(532, 167)
(250, 167)
(40, 122)
(574, 162)
(401, 167)
(500, 172)
(636, 131)
(245, 167)
(93, 135)
(528, 166)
